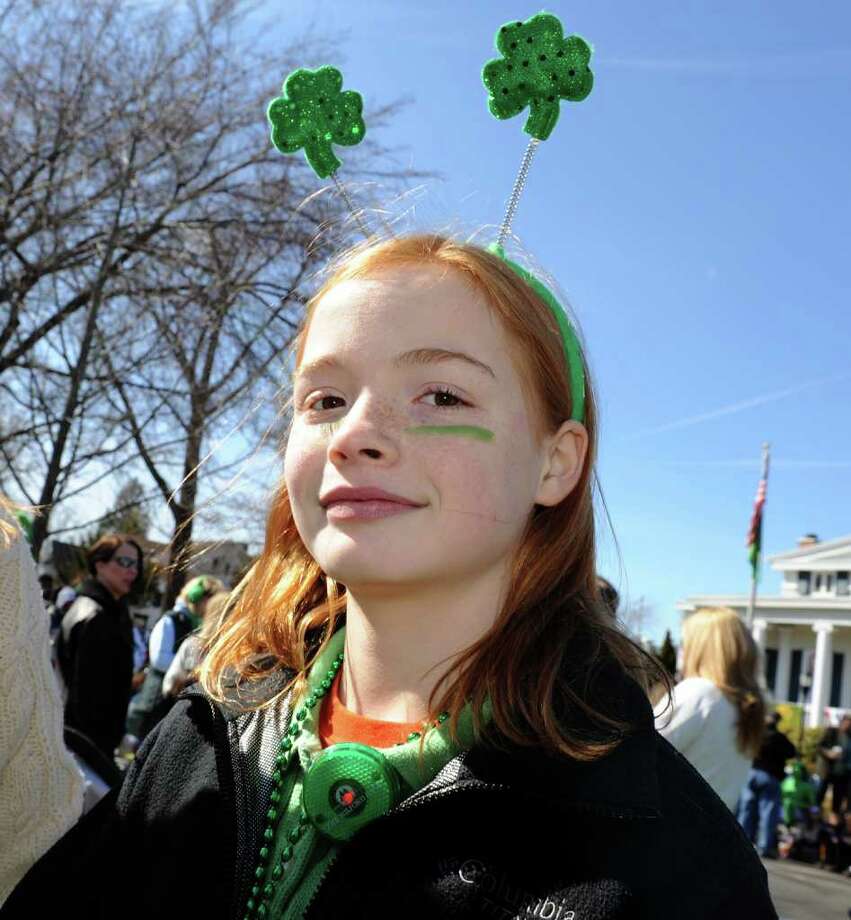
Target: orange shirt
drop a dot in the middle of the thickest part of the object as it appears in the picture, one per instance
(336, 724)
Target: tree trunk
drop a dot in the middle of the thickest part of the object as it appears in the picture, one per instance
(180, 553)
(69, 413)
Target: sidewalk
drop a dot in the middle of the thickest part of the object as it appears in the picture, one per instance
(802, 892)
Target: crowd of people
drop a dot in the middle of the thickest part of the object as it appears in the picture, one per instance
(717, 718)
(117, 680)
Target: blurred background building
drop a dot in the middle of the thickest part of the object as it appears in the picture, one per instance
(805, 631)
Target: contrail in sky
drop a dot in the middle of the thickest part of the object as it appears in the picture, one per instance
(813, 62)
(737, 407)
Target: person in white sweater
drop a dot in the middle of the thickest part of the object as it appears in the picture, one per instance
(717, 712)
(41, 789)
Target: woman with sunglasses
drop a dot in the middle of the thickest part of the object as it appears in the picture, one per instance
(96, 643)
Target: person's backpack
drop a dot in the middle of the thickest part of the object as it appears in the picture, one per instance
(149, 706)
(182, 627)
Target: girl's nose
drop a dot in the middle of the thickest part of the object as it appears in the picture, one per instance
(366, 432)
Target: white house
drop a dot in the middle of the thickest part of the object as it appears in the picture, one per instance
(805, 631)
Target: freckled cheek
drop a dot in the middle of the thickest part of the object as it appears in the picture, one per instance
(467, 477)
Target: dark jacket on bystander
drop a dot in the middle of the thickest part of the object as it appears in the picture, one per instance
(95, 652)
(774, 751)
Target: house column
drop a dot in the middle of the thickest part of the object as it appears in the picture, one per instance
(784, 662)
(821, 673)
(758, 629)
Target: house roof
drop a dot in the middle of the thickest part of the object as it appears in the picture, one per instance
(824, 556)
(808, 603)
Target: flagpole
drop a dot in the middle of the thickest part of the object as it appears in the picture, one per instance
(766, 448)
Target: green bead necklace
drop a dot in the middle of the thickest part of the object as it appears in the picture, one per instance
(341, 770)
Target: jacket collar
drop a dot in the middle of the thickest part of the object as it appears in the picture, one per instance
(623, 783)
(93, 589)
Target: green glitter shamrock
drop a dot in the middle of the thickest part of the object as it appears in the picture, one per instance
(313, 113)
(539, 68)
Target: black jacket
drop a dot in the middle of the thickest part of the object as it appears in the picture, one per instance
(774, 751)
(95, 654)
(638, 834)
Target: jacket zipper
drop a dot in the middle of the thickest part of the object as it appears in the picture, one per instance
(319, 885)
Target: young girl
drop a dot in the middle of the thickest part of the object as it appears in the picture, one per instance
(418, 706)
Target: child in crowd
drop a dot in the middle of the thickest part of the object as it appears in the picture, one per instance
(833, 842)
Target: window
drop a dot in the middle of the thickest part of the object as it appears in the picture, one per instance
(836, 679)
(795, 674)
(842, 583)
(803, 582)
(818, 583)
(771, 668)
(829, 582)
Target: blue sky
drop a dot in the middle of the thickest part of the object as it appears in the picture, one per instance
(695, 210)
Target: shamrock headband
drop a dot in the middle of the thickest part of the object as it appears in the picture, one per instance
(539, 67)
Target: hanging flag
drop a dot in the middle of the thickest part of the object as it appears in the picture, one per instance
(754, 541)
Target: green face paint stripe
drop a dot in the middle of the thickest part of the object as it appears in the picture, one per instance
(464, 431)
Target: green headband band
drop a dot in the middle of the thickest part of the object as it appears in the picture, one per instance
(569, 338)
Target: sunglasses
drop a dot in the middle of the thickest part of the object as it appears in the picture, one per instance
(126, 562)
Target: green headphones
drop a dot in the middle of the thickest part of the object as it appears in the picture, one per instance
(348, 786)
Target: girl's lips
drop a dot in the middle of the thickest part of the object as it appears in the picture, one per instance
(369, 510)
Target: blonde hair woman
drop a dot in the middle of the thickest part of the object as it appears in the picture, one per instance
(717, 711)
(41, 789)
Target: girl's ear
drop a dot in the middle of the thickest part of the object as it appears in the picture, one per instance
(563, 463)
